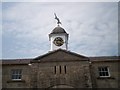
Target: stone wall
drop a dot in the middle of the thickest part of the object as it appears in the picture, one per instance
(105, 82)
(7, 82)
(79, 74)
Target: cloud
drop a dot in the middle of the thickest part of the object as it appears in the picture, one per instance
(60, 1)
(0, 30)
(92, 28)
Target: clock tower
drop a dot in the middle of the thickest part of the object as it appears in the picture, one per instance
(58, 37)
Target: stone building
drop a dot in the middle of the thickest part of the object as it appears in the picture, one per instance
(61, 68)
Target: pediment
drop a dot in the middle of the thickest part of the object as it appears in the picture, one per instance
(60, 55)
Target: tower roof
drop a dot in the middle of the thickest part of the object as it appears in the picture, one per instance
(58, 30)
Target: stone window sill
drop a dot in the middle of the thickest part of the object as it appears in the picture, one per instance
(105, 78)
(12, 81)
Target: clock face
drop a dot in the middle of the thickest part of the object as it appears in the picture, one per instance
(58, 41)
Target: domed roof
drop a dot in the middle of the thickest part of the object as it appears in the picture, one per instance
(57, 30)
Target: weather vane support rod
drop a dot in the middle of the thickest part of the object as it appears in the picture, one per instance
(58, 21)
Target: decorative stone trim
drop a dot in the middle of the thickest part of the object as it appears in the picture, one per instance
(105, 78)
(14, 81)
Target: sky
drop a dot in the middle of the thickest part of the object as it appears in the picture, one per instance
(60, 0)
(92, 27)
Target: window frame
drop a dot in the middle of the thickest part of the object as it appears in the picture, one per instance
(108, 71)
(16, 73)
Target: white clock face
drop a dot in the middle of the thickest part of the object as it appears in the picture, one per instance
(58, 41)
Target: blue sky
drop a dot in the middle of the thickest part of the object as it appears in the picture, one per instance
(92, 27)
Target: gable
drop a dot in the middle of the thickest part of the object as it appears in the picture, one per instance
(60, 55)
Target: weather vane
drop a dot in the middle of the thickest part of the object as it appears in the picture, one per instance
(58, 21)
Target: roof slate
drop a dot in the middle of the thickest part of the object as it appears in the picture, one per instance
(16, 61)
(57, 30)
(51, 56)
(62, 51)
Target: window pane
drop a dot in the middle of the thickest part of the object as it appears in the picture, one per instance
(19, 77)
(106, 69)
(103, 74)
(107, 74)
(102, 69)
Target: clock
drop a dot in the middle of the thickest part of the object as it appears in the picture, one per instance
(58, 41)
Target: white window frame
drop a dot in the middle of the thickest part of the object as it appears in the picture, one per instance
(16, 73)
(108, 71)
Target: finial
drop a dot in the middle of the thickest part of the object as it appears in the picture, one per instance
(58, 21)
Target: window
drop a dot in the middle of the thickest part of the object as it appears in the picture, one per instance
(65, 69)
(103, 71)
(16, 74)
(55, 69)
(60, 69)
